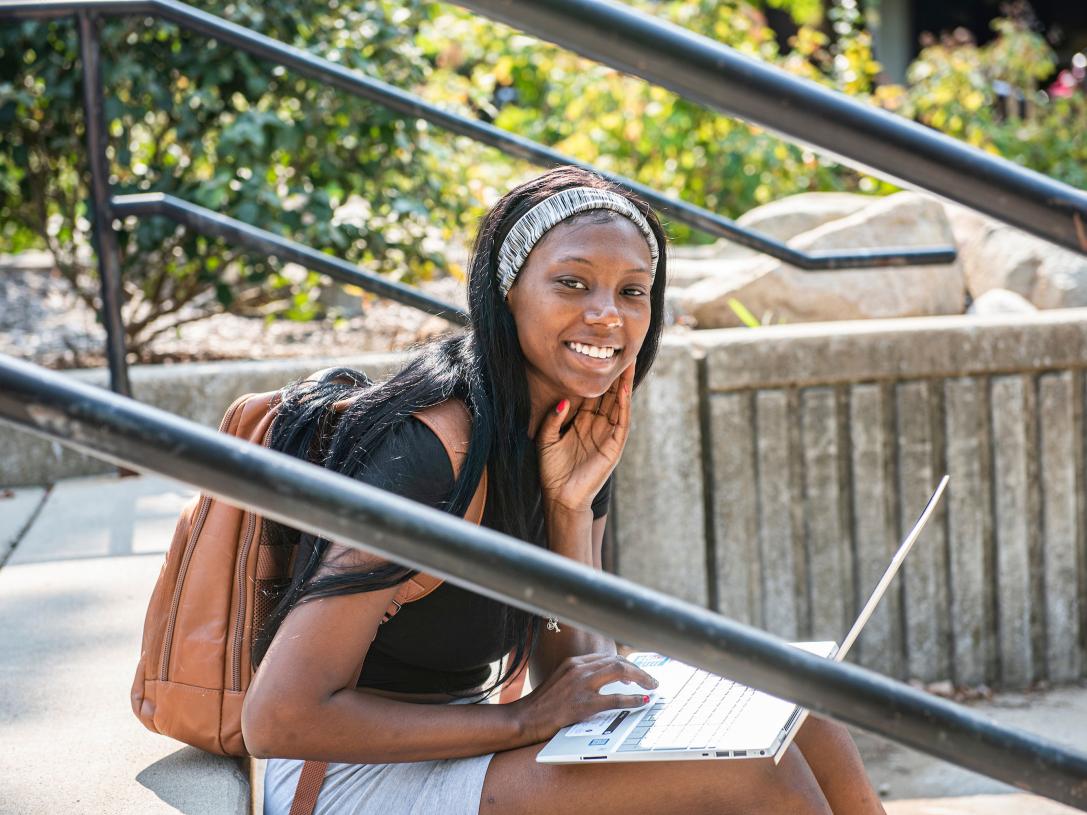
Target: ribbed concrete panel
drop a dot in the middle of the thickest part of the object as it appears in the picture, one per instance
(735, 508)
(659, 500)
(781, 594)
(880, 645)
(969, 529)
(1011, 505)
(1060, 449)
(826, 536)
(924, 578)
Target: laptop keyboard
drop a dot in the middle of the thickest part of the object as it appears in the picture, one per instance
(696, 717)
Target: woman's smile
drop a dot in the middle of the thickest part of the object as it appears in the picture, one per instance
(594, 353)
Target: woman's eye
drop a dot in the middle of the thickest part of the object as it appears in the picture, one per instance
(635, 292)
(571, 283)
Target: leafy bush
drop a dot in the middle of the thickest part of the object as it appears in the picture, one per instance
(212, 125)
(954, 84)
(624, 125)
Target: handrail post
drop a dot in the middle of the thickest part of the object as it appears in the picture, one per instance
(105, 239)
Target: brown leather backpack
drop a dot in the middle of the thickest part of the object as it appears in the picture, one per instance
(220, 580)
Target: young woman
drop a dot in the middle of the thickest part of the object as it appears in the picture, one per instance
(566, 292)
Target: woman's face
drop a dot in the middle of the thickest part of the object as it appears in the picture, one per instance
(581, 306)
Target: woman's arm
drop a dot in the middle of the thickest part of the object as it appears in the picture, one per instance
(575, 462)
(303, 702)
(578, 538)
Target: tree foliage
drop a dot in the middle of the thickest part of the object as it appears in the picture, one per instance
(627, 126)
(989, 96)
(210, 124)
(623, 124)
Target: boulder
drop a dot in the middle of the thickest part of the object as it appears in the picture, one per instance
(779, 292)
(1002, 257)
(780, 220)
(687, 271)
(788, 217)
(1000, 301)
(966, 223)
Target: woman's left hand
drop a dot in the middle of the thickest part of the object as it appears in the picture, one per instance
(576, 461)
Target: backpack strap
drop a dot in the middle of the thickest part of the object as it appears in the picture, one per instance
(451, 422)
(310, 781)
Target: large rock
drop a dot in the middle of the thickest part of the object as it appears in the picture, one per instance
(1002, 257)
(688, 271)
(788, 217)
(779, 292)
(780, 220)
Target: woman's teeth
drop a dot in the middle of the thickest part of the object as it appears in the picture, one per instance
(592, 350)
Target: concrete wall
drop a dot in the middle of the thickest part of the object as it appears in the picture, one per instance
(773, 471)
(201, 392)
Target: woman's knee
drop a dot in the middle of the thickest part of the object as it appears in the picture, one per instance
(792, 787)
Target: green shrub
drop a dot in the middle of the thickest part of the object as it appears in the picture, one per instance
(214, 126)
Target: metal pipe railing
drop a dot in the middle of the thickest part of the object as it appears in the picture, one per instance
(216, 225)
(365, 87)
(705, 71)
(326, 503)
(105, 239)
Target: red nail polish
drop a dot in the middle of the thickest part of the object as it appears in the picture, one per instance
(645, 699)
(561, 406)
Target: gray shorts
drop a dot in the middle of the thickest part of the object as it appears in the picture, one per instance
(450, 786)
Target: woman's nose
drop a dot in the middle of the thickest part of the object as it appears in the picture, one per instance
(605, 314)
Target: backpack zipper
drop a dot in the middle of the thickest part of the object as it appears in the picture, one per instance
(190, 546)
(239, 619)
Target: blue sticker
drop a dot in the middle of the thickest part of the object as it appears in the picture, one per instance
(598, 742)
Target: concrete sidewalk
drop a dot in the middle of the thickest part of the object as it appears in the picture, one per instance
(73, 593)
(81, 559)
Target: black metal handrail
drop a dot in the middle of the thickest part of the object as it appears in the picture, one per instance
(315, 499)
(216, 225)
(394, 98)
(703, 70)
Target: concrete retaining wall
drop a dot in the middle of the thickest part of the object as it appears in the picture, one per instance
(771, 472)
(814, 449)
(201, 392)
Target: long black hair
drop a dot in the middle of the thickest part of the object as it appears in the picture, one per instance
(481, 365)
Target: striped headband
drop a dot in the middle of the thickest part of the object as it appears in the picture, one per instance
(535, 223)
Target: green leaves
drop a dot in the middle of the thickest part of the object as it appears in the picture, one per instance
(213, 125)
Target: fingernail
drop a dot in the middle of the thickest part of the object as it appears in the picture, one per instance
(645, 699)
(561, 406)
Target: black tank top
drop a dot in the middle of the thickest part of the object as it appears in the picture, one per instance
(446, 641)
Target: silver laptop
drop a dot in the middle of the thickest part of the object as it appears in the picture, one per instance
(694, 714)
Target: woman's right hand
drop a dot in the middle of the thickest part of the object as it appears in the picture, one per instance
(572, 694)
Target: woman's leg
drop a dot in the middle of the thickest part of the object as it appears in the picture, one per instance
(830, 752)
(517, 785)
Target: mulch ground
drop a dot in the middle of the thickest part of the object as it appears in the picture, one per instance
(43, 321)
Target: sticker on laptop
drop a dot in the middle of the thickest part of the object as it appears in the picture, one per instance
(597, 725)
